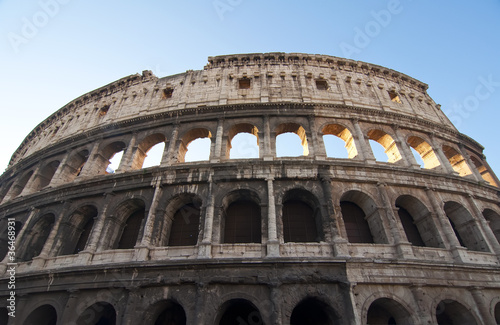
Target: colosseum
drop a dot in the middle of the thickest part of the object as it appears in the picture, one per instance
(324, 237)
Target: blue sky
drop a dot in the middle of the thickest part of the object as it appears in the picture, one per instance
(53, 51)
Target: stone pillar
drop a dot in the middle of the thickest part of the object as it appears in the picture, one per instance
(423, 314)
(128, 155)
(205, 248)
(89, 169)
(484, 313)
(364, 149)
(267, 151)
(71, 310)
(131, 311)
(215, 155)
(169, 155)
(56, 178)
(273, 247)
(95, 235)
(311, 138)
(482, 224)
(28, 188)
(471, 165)
(405, 148)
(275, 315)
(441, 157)
(201, 298)
(142, 250)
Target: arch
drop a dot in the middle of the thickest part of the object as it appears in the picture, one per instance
(74, 166)
(344, 134)
(494, 221)
(486, 174)
(386, 141)
(44, 176)
(425, 151)
(4, 237)
(236, 311)
(296, 129)
(166, 312)
(457, 161)
(190, 136)
(465, 228)
(388, 311)
(451, 312)
(38, 235)
(417, 222)
(242, 221)
(103, 161)
(301, 217)
(43, 315)
(356, 217)
(125, 225)
(313, 311)
(75, 233)
(19, 186)
(100, 313)
(144, 147)
(245, 148)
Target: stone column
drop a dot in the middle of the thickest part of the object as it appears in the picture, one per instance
(71, 310)
(205, 248)
(267, 152)
(128, 155)
(441, 157)
(95, 235)
(201, 298)
(424, 315)
(215, 155)
(169, 155)
(364, 149)
(89, 169)
(482, 224)
(405, 148)
(28, 188)
(471, 165)
(56, 178)
(484, 313)
(273, 248)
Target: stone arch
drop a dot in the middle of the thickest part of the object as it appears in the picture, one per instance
(298, 130)
(125, 224)
(43, 315)
(19, 185)
(181, 225)
(235, 310)
(418, 222)
(301, 217)
(190, 136)
(464, 226)
(343, 133)
(450, 311)
(74, 165)
(102, 313)
(36, 237)
(241, 128)
(44, 175)
(312, 310)
(494, 221)
(241, 219)
(165, 312)
(484, 171)
(362, 219)
(4, 237)
(75, 232)
(457, 161)
(102, 160)
(387, 311)
(386, 141)
(425, 151)
(144, 146)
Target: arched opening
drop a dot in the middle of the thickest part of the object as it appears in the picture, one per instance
(109, 159)
(44, 176)
(450, 312)
(387, 142)
(362, 220)
(417, 222)
(185, 226)
(76, 232)
(301, 217)
(74, 166)
(101, 313)
(388, 312)
(457, 161)
(417, 157)
(43, 315)
(494, 221)
(169, 313)
(312, 311)
(131, 230)
(19, 185)
(425, 152)
(240, 311)
(5, 190)
(149, 152)
(464, 227)
(242, 222)
(114, 162)
(484, 171)
(291, 140)
(195, 145)
(243, 142)
(37, 237)
(337, 138)
(497, 313)
(4, 238)
(124, 226)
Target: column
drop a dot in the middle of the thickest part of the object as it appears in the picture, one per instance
(128, 155)
(484, 226)
(69, 315)
(89, 169)
(205, 248)
(273, 248)
(95, 235)
(267, 151)
(484, 312)
(364, 149)
(424, 315)
(440, 155)
(56, 178)
(28, 187)
(403, 145)
(471, 165)
(216, 153)
(169, 156)
(318, 148)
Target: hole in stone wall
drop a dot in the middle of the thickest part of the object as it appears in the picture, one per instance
(103, 111)
(244, 83)
(167, 93)
(321, 84)
(394, 96)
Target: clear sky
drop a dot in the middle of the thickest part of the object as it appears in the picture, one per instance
(52, 51)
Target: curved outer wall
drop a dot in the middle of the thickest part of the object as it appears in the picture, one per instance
(353, 239)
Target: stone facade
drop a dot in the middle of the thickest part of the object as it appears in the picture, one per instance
(314, 239)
